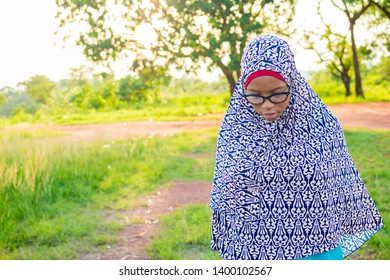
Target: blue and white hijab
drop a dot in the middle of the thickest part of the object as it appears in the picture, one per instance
(285, 189)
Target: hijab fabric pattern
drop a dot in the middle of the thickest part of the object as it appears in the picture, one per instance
(285, 189)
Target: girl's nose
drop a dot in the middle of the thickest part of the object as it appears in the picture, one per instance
(267, 104)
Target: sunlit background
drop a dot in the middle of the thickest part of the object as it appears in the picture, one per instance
(30, 47)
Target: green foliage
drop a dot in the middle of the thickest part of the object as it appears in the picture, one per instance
(187, 86)
(19, 115)
(80, 99)
(97, 95)
(97, 100)
(326, 85)
(39, 88)
(14, 98)
(211, 32)
(182, 107)
(379, 74)
(378, 16)
(3, 99)
(107, 93)
(132, 89)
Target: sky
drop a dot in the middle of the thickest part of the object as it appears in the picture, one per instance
(29, 46)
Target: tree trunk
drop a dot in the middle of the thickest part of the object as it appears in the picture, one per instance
(232, 82)
(347, 83)
(356, 66)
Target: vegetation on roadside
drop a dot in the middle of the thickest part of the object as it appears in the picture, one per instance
(104, 100)
(54, 195)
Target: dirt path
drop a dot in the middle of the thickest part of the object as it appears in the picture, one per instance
(134, 237)
(372, 115)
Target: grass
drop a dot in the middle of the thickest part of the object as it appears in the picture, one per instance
(54, 196)
(44, 200)
(166, 108)
(371, 152)
(186, 233)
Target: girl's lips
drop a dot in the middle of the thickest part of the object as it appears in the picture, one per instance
(269, 116)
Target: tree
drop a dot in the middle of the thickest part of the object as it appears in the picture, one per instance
(377, 77)
(339, 54)
(336, 56)
(98, 94)
(383, 6)
(354, 10)
(153, 76)
(3, 99)
(105, 92)
(146, 83)
(340, 66)
(378, 20)
(186, 33)
(13, 98)
(82, 96)
(132, 89)
(39, 88)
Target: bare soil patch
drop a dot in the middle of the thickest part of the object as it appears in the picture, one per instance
(134, 237)
(363, 115)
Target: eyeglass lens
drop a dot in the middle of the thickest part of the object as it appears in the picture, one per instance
(278, 98)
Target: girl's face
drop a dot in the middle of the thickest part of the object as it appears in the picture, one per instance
(266, 86)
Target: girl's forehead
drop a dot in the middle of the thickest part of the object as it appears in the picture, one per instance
(266, 81)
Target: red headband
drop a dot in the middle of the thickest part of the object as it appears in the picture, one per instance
(263, 73)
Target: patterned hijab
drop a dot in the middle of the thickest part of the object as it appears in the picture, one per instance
(285, 189)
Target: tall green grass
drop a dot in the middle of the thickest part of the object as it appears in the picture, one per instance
(45, 189)
(186, 233)
(54, 196)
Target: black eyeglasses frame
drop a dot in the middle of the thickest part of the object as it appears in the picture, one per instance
(287, 93)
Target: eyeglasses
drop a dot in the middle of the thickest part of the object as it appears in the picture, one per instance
(275, 98)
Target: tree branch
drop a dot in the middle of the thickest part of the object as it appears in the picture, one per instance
(382, 8)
